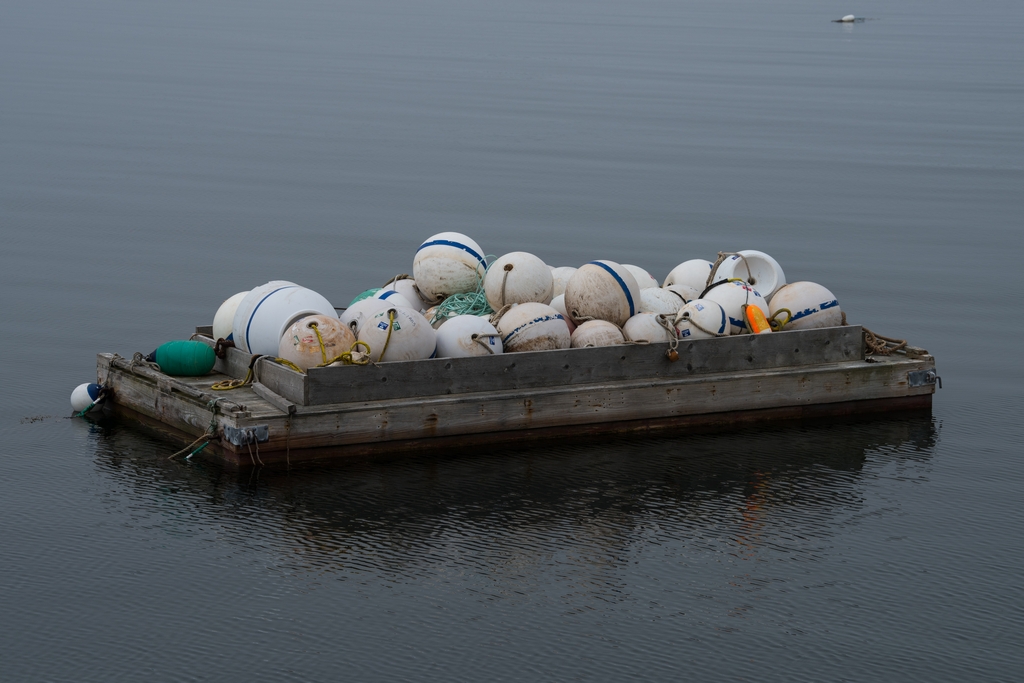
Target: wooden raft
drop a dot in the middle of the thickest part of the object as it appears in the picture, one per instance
(453, 402)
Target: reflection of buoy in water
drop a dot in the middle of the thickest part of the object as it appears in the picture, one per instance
(702, 319)
(533, 327)
(301, 345)
(644, 327)
(225, 316)
(603, 290)
(558, 303)
(518, 278)
(644, 279)
(447, 263)
(596, 333)
(658, 300)
(410, 336)
(810, 305)
(84, 397)
(731, 296)
(756, 268)
(462, 336)
(693, 273)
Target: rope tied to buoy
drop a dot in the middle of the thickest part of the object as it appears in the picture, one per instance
(466, 303)
(673, 337)
(504, 281)
(350, 357)
(496, 315)
(139, 359)
(685, 317)
(779, 325)
(403, 276)
(481, 339)
(211, 431)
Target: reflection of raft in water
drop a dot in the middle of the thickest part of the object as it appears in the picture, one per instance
(450, 402)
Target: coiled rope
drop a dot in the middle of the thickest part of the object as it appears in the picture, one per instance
(468, 303)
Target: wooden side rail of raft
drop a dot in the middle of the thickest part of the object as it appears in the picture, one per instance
(445, 402)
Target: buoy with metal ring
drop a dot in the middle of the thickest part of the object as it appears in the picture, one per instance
(533, 327)
(702, 319)
(86, 397)
(447, 263)
(560, 276)
(315, 340)
(658, 300)
(693, 273)
(602, 290)
(733, 296)
(268, 310)
(398, 333)
(596, 333)
(646, 327)
(643, 279)
(756, 268)
(462, 336)
(225, 316)
(517, 278)
(807, 305)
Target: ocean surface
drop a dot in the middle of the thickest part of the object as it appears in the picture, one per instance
(157, 157)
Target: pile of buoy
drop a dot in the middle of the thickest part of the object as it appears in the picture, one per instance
(458, 302)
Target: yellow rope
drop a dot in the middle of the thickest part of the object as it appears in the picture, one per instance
(779, 325)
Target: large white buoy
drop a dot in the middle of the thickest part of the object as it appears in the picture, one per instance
(643, 279)
(559, 277)
(558, 303)
(411, 338)
(394, 299)
(756, 268)
(645, 327)
(693, 273)
(702, 319)
(266, 312)
(462, 336)
(84, 396)
(301, 345)
(225, 316)
(355, 315)
(658, 300)
(596, 333)
(810, 305)
(732, 296)
(407, 288)
(686, 293)
(602, 290)
(518, 278)
(533, 327)
(447, 263)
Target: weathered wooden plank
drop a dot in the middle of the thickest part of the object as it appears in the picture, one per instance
(278, 401)
(539, 369)
(284, 381)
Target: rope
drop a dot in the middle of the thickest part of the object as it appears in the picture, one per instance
(138, 359)
(229, 384)
(479, 339)
(777, 325)
(684, 316)
(467, 303)
(211, 430)
(673, 341)
(496, 315)
(882, 346)
(504, 281)
(403, 276)
(387, 340)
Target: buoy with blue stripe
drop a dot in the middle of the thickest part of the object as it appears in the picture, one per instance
(643, 279)
(86, 397)
(693, 273)
(809, 304)
(756, 268)
(267, 311)
(301, 345)
(355, 315)
(225, 316)
(407, 288)
(462, 336)
(394, 298)
(518, 278)
(596, 333)
(398, 333)
(658, 300)
(447, 263)
(533, 327)
(602, 290)
(702, 319)
(560, 276)
(733, 296)
(645, 327)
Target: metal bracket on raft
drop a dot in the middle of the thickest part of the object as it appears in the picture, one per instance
(919, 378)
(240, 436)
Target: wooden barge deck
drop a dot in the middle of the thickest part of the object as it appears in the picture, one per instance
(454, 402)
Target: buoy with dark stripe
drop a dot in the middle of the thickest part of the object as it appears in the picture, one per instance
(395, 299)
(533, 327)
(809, 304)
(602, 290)
(702, 319)
(267, 311)
(733, 296)
(447, 263)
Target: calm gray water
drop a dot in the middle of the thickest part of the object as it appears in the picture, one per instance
(157, 157)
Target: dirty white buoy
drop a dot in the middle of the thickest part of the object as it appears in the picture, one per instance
(645, 327)
(411, 337)
(517, 278)
(447, 263)
(533, 327)
(225, 316)
(658, 300)
(693, 273)
(731, 296)
(84, 396)
(266, 312)
(603, 290)
(756, 268)
(301, 345)
(702, 319)
(810, 305)
(644, 279)
(462, 336)
(596, 333)
(559, 277)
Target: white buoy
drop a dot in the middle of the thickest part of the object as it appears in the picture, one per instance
(756, 268)
(849, 18)
(394, 299)
(518, 278)
(559, 277)
(355, 315)
(533, 327)
(596, 333)
(658, 300)
(225, 316)
(732, 296)
(301, 345)
(702, 319)
(686, 293)
(411, 338)
(644, 327)
(558, 303)
(810, 306)
(602, 290)
(407, 288)
(447, 263)
(84, 396)
(693, 273)
(643, 279)
(267, 311)
(462, 336)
